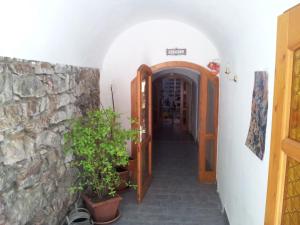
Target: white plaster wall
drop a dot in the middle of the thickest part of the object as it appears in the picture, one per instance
(146, 43)
(242, 177)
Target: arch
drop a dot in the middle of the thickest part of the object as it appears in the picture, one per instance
(181, 76)
(204, 174)
(182, 64)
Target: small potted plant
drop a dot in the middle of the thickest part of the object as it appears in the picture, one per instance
(124, 178)
(98, 143)
(126, 175)
(132, 169)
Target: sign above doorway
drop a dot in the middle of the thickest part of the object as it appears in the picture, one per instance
(176, 51)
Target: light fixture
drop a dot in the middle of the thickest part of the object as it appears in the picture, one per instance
(230, 75)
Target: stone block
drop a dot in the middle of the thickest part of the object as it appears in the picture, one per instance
(43, 151)
(61, 129)
(8, 177)
(28, 86)
(61, 170)
(65, 113)
(52, 158)
(35, 106)
(62, 69)
(80, 89)
(48, 139)
(5, 88)
(72, 81)
(13, 150)
(2, 218)
(22, 68)
(43, 68)
(22, 206)
(65, 99)
(10, 117)
(14, 110)
(40, 218)
(37, 124)
(2, 213)
(34, 167)
(57, 83)
(29, 146)
(68, 158)
(87, 102)
(2, 67)
(28, 182)
(53, 218)
(2, 115)
(75, 70)
(58, 117)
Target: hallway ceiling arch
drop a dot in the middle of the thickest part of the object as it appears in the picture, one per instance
(188, 73)
(80, 32)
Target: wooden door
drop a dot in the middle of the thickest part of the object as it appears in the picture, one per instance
(141, 98)
(156, 104)
(184, 105)
(208, 127)
(283, 197)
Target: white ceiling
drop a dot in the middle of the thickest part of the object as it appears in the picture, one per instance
(80, 32)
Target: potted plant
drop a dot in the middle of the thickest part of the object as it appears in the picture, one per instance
(132, 169)
(124, 177)
(126, 174)
(98, 143)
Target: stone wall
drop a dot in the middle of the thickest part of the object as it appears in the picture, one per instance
(37, 101)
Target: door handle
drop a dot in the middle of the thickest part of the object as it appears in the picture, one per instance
(141, 131)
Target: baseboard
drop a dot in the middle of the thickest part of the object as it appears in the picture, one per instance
(226, 220)
(225, 217)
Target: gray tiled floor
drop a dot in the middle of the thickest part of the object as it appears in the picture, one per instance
(175, 197)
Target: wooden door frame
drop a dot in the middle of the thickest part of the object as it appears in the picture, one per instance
(204, 74)
(286, 44)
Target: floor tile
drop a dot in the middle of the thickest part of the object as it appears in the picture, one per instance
(175, 195)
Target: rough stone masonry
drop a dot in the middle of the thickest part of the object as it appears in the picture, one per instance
(37, 101)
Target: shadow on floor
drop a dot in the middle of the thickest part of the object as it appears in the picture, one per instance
(175, 196)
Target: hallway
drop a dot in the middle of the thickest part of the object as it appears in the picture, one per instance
(175, 196)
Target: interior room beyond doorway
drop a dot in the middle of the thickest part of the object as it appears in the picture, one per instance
(175, 102)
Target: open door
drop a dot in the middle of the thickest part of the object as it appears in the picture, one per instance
(283, 197)
(141, 110)
(208, 127)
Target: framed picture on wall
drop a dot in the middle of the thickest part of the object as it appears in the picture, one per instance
(259, 110)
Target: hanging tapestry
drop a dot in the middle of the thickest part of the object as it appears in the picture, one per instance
(258, 123)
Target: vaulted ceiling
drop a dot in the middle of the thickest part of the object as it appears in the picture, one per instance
(59, 30)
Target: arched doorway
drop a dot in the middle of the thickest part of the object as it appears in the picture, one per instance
(208, 98)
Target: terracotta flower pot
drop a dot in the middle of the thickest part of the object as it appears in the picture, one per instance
(132, 168)
(124, 176)
(103, 211)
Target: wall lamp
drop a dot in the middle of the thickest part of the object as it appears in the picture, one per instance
(230, 75)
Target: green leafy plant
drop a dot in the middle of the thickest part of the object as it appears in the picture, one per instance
(98, 143)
